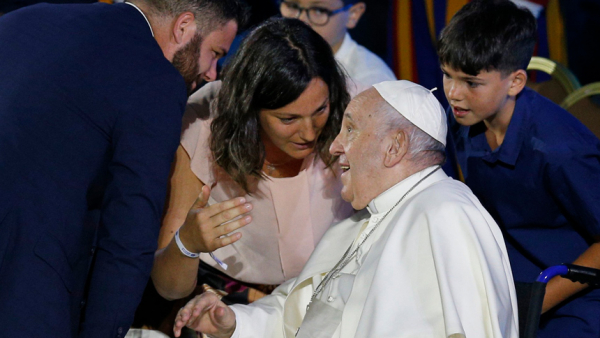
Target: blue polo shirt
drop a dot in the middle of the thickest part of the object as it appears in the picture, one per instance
(542, 186)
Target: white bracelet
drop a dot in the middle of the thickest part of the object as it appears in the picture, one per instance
(190, 254)
(182, 248)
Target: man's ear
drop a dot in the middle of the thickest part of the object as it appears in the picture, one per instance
(396, 149)
(356, 12)
(184, 28)
(518, 82)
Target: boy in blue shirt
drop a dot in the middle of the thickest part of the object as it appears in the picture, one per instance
(533, 165)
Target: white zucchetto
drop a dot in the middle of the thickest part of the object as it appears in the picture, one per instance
(418, 105)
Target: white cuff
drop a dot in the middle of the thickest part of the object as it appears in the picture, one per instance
(238, 324)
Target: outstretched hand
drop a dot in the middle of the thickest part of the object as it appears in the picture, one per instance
(207, 314)
(209, 227)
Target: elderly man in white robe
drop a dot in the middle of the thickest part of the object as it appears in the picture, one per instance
(423, 259)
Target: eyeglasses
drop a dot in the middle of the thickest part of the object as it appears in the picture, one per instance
(317, 16)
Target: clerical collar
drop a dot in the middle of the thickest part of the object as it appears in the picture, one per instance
(388, 198)
(144, 15)
(345, 50)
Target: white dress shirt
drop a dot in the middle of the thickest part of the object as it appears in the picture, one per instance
(363, 67)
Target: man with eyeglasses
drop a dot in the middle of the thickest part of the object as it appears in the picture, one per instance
(332, 19)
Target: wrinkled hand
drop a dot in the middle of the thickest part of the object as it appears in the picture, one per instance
(208, 228)
(206, 314)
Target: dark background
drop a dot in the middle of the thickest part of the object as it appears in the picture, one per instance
(582, 25)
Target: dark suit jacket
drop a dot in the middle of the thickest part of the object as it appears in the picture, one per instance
(90, 117)
(11, 5)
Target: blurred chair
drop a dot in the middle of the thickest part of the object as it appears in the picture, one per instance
(562, 83)
(584, 108)
(583, 92)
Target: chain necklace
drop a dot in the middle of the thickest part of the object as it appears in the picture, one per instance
(271, 167)
(348, 257)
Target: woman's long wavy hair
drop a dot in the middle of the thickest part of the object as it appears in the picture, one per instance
(273, 66)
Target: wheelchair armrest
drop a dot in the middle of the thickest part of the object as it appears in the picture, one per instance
(583, 275)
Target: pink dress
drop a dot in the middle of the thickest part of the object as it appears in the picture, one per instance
(290, 215)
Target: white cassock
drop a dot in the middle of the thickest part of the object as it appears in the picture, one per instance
(436, 266)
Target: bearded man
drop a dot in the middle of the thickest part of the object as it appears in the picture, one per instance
(91, 101)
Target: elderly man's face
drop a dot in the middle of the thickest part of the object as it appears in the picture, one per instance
(360, 149)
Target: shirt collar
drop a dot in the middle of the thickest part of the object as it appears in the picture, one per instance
(346, 48)
(516, 133)
(509, 151)
(386, 200)
(144, 15)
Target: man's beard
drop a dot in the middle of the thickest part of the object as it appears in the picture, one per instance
(186, 61)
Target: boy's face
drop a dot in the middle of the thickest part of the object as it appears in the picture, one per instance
(334, 31)
(486, 96)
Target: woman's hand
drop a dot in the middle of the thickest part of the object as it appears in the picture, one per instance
(209, 227)
(206, 314)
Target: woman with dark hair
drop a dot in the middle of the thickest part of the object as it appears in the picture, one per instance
(260, 155)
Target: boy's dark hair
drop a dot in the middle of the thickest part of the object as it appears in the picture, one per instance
(273, 66)
(488, 35)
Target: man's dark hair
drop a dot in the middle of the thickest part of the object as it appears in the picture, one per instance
(210, 14)
(274, 65)
(488, 35)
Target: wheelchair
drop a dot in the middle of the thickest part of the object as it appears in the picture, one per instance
(530, 296)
